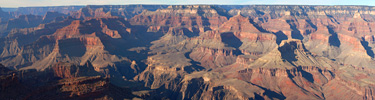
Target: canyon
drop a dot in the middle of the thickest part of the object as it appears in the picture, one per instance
(208, 52)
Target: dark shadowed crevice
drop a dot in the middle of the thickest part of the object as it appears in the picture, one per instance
(200, 12)
(258, 97)
(287, 52)
(219, 92)
(89, 26)
(306, 75)
(205, 21)
(333, 39)
(189, 33)
(280, 36)
(269, 93)
(195, 88)
(221, 11)
(139, 40)
(333, 19)
(257, 26)
(296, 34)
(195, 65)
(231, 40)
(367, 48)
(259, 12)
(162, 93)
(311, 24)
(72, 47)
(307, 32)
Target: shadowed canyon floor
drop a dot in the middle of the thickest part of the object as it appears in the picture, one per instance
(208, 52)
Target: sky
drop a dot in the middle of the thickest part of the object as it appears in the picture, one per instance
(31, 3)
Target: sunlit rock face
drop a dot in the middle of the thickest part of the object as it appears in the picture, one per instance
(188, 52)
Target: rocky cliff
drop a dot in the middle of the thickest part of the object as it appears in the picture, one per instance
(189, 52)
(62, 81)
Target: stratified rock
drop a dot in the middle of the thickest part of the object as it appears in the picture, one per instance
(189, 52)
(185, 15)
(68, 70)
(53, 16)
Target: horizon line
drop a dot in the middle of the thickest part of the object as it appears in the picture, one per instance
(188, 4)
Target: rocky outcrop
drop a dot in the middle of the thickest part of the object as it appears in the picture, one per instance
(78, 35)
(67, 70)
(68, 80)
(185, 15)
(87, 12)
(199, 88)
(24, 21)
(53, 17)
(239, 23)
(213, 58)
(190, 52)
(81, 88)
(302, 80)
(126, 11)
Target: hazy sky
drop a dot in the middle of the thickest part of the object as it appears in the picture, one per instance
(26, 3)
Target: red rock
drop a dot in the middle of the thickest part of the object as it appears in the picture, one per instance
(213, 58)
(181, 16)
(193, 52)
(357, 46)
(69, 70)
(239, 23)
(275, 25)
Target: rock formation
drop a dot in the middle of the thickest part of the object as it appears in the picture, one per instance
(188, 52)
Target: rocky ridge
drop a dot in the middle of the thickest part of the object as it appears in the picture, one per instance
(192, 52)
